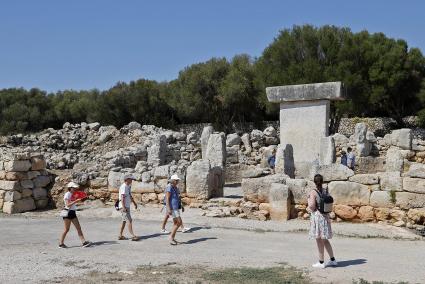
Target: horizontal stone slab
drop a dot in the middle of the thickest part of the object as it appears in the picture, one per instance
(306, 92)
(349, 193)
(407, 200)
(416, 185)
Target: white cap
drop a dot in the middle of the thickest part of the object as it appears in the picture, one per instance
(73, 185)
(174, 177)
(129, 176)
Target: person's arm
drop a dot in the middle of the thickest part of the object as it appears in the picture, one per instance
(168, 197)
(311, 201)
(123, 202)
(69, 203)
(134, 202)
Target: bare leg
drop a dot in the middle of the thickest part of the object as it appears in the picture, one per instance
(164, 222)
(130, 228)
(321, 248)
(177, 224)
(181, 221)
(328, 248)
(122, 228)
(67, 224)
(78, 227)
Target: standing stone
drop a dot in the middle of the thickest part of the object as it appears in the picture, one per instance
(363, 145)
(216, 150)
(199, 180)
(246, 142)
(233, 140)
(394, 160)
(304, 117)
(205, 136)
(285, 161)
(157, 153)
(280, 202)
(401, 138)
(327, 151)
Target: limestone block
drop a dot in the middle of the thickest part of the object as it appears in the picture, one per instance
(333, 172)
(363, 146)
(370, 165)
(232, 154)
(300, 189)
(306, 92)
(98, 183)
(1, 204)
(205, 136)
(397, 214)
(366, 213)
(340, 139)
(368, 179)
(17, 166)
(2, 175)
(199, 180)
(142, 187)
(10, 185)
(41, 203)
(216, 150)
(258, 189)
(32, 174)
(391, 181)
(280, 202)
(417, 215)
(394, 160)
(349, 193)
(38, 163)
(27, 184)
(416, 170)
(2, 193)
(39, 193)
(233, 139)
(401, 138)
(408, 200)
(327, 153)
(16, 175)
(157, 153)
(416, 185)
(285, 161)
(252, 172)
(1, 165)
(149, 198)
(345, 212)
(246, 142)
(26, 192)
(115, 179)
(41, 181)
(11, 196)
(270, 131)
(381, 199)
(19, 206)
(382, 214)
(161, 172)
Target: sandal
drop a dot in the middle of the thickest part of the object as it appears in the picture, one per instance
(174, 242)
(121, 238)
(135, 239)
(86, 244)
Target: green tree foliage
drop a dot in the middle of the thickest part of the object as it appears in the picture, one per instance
(383, 77)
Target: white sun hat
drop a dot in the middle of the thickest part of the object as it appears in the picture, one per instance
(174, 177)
(72, 185)
(129, 176)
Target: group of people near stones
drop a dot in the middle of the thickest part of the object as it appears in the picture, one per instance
(320, 223)
(172, 205)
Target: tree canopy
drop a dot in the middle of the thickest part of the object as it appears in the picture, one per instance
(383, 77)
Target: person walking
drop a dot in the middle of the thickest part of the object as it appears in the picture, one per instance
(272, 161)
(125, 198)
(343, 158)
(71, 216)
(320, 224)
(351, 158)
(173, 205)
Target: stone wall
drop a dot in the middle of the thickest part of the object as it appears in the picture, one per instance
(24, 183)
(239, 128)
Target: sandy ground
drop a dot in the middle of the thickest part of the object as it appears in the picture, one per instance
(29, 253)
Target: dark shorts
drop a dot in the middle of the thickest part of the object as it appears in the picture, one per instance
(71, 215)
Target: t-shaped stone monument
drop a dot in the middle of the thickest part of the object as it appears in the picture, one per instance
(304, 123)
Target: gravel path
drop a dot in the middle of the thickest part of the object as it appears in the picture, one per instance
(29, 253)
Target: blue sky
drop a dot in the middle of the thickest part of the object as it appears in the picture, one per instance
(55, 44)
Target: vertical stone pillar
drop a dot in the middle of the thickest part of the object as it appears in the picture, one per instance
(304, 121)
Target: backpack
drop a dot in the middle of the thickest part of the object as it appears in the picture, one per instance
(325, 203)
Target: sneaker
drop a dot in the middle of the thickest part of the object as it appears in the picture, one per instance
(63, 246)
(164, 231)
(86, 244)
(332, 263)
(184, 230)
(319, 265)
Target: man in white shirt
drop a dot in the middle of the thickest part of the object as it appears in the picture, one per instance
(125, 200)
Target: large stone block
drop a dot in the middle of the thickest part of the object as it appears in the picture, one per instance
(38, 163)
(394, 160)
(280, 202)
(157, 153)
(349, 193)
(416, 170)
(401, 138)
(19, 206)
(368, 179)
(204, 182)
(300, 189)
(327, 153)
(161, 172)
(216, 150)
(41, 203)
(382, 199)
(17, 166)
(115, 179)
(407, 200)
(306, 92)
(258, 189)
(27, 183)
(366, 213)
(143, 187)
(12, 196)
(42, 181)
(333, 172)
(10, 185)
(285, 161)
(416, 185)
(417, 215)
(39, 193)
(233, 139)
(363, 145)
(370, 165)
(205, 136)
(391, 181)
(26, 192)
(345, 212)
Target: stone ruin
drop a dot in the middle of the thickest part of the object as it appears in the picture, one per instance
(24, 183)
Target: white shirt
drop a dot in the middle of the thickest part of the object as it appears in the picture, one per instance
(68, 197)
(126, 191)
